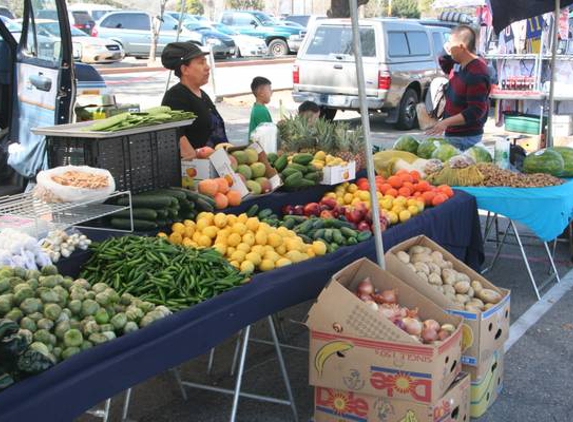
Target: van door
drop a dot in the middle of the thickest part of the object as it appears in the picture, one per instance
(136, 28)
(44, 88)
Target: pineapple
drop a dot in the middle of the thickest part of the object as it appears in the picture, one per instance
(357, 147)
(294, 135)
(325, 136)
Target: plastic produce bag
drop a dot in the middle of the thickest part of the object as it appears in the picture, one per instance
(51, 191)
(266, 135)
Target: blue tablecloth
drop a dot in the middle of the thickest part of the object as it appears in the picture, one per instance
(546, 211)
(65, 391)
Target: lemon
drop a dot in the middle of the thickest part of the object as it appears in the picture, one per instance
(400, 200)
(259, 249)
(247, 267)
(261, 238)
(253, 257)
(252, 224)
(230, 251)
(283, 262)
(162, 235)
(239, 228)
(386, 203)
(412, 201)
(392, 217)
(310, 253)
(348, 197)
(211, 232)
(267, 265)
(242, 218)
(271, 256)
(178, 228)
(234, 239)
(221, 248)
(244, 247)
(231, 219)
(274, 240)
(291, 244)
(398, 209)
(330, 195)
(294, 256)
(356, 201)
(404, 216)
(282, 231)
(187, 242)
(205, 241)
(320, 155)
(189, 232)
(319, 248)
(413, 210)
(236, 264)
(291, 233)
(189, 223)
(202, 224)
(238, 256)
(420, 205)
(207, 216)
(175, 238)
(220, 220)
(249, 238)
(266, 228)
(352, 188)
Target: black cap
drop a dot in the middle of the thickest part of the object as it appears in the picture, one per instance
(177, 53)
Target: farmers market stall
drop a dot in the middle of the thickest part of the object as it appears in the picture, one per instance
(75, 385)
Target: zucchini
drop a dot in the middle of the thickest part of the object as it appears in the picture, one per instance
(265, 213)
(252, 212)
(337, 236)
(288, 172)
(139, 213)
(281, 162)
(204, 205)
(319, 234)
(170, 192)
(305, 238)
(148, 201)
(348, 232)
(302, 158)
(124, 224)
(299, 167)
(362, 236)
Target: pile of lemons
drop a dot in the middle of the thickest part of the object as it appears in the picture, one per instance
(246, 242)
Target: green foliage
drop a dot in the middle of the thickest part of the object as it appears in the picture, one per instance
(246, 4)
(405, 9)
(193, 7)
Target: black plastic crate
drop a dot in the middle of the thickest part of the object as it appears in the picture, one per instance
(138, 162)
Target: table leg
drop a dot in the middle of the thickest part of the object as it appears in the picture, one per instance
(126, 401)
(239, 380)
(177, 376)
(524, 255)
(211, 359)
(236, 353)
(499, 247)
(107, 406)
(552, 261)
(283, 367)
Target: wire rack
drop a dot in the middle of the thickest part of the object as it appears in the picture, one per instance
(35, 216)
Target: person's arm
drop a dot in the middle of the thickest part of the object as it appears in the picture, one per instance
(439, 128)
(187, 150)
(446, 63)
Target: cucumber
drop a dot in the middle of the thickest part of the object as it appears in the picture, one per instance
(289, 223)
(305, 238)
(299, 167)
(162, 213)
(348, 232)
(267, 212)
(170, 192)
(305, 183)
(294, 180)
(252, 212)
(272, 157)
(288, 171)
(313, 176)
(281, 162)
(319, 234)
(337, 236)
(139, 213)
(337, 224)
(172, 213)
(305, 227)
(196, 196)
(318, 224)
(204, 205)
(148, 201)
(124, 224)
(302, 158)
(362, 236)
(328, 235)
(352, 241)
(162, 223)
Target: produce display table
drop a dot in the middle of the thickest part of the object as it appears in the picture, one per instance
(65, 391)
(545, 211)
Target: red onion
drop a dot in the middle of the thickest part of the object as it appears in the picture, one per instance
(365, 287)
(443, 334)
(429, 335)
(364, 297)
(389, 296)
(400, 324)
(432, 324)
(413, 326)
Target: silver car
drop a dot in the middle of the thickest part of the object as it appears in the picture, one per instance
(399, 63)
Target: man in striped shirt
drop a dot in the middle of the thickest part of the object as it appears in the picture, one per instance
(467, 93)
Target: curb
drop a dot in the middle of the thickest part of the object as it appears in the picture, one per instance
(144, 69)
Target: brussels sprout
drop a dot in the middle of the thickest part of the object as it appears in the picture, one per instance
(49, 296)
(164, 310)
(28, 323)
(40, 347)
(126, 299)
(64, 316)
(73, 338)
(6, 271)
(14, 281)
(36, 316)
(45, 324)
(15, 315)
(31, 305)
(89, 307)
(67, 312)
(22, 294)
(4, 285)
(49, 270)
(134, 314)
(90, 295)
(75, 306)
(147, 307)
(119, 321)
(77, 293)
(62, 293)
(52, 311)
(99, 287)
(33, 274)
(53, 342)
(113, 295)
(90, 327)
(110, 335)
(67, 283)
(75, 324)
(98, 338)
(112, 310)
(106, 327)
(82, 282)
(103, 299)
(27, 334)
(43, 336)
(6, 303)
(69, 352)
(33, 283)
(86, 344)
(130, 327)
(57, 352)
(101, 316)
(62, 328)
(50, 281)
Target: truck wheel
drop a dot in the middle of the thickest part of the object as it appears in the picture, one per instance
(328, 113)
(278, 48)
(407, 117)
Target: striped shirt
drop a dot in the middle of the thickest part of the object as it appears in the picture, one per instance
(468, 94)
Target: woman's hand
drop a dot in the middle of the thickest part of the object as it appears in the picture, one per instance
(187, 150)
(438, 129)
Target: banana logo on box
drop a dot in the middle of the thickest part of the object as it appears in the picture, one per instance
(327, 351)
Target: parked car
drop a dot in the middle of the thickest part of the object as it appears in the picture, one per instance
(96, 11)
(4, 11)
(11, 25)
(87, 49)
(280, 39)
(78, 19)
(132, 30)
(221, 44)
(186, 16)
(245, 45)
(304, 20)
(399, 64)
(45, 44)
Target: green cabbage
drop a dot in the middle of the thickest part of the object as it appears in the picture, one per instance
(406, 143)
(445, 152)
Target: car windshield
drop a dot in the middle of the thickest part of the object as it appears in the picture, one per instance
(195, 25)
(265, 19)
(11, 25)
(52, 29)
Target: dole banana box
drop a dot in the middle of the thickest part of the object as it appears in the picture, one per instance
(355, 348)
(487, 388)
(482, 332)
(346, 406)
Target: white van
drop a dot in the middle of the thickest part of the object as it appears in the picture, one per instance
(96, 11)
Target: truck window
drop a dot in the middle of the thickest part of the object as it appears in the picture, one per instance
(37, 45)
(439, 42)
(398, 44)
(333, 40)
(113, 21)
(242, 19)
(227, 19)
(418, 43)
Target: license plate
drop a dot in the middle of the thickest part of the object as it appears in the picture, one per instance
(336, 100)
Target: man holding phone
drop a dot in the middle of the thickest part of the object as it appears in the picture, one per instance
(467, 94)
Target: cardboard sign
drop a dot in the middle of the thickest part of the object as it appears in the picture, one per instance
(199, 168)
(483, 332)
(340, 406)
(355, 348)
(334, 175)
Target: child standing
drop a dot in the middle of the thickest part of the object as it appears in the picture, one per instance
(310, 111)
(261, 88)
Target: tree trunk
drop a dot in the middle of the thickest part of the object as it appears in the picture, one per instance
(341, 8)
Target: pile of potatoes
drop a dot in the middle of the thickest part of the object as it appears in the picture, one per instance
(439, 273)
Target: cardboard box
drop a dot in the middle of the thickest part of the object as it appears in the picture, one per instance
(486, 388)
(342, 406)
(222, 163)
(483, 332)
(201, 169)
(354, 348)
(334, 175)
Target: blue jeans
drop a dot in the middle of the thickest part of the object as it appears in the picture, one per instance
(464, 142)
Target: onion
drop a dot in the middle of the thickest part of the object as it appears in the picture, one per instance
(389, 296)
(390, 311)
(429, 335)
(449, 328)
(443, 334)
(400, 324)
(411, 313)
(373, 305)
(433, 324)
(364, 297)
(365, 287)
(413, 326)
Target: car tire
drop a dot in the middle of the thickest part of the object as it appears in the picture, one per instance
(278, 48)
(328, 113)
(407, 117)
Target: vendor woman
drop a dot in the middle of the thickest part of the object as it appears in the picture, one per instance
(190, 65)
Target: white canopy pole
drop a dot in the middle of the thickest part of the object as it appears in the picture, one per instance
(555, 40)
(375, 209)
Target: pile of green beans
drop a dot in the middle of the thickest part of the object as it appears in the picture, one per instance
(158, 272)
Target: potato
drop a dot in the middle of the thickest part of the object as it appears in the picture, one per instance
(488, 306)
(489, 296)
(463, 299)
(472, 308)
(450, 297)
(449, 290)
(423, 276)
(477, 286)
(449, 264)
(437, 255)
(470, 292)
(463, 277)
(420, 258)
(462, 287)
(417, 250)
(477, 302)
(435, 279)
(421, 266)
(449, 276)
(434, 268)
(411, 266)
(427, 250)
(403, 257)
